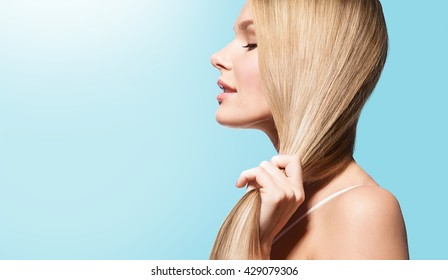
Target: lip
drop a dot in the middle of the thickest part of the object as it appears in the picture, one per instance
(226, 87)
(228, 90)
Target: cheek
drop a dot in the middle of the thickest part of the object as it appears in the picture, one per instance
(248, 108)
(247, 76)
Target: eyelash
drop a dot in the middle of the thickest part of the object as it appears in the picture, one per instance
(250, 47)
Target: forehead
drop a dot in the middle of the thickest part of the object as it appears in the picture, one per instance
(245, 16)
(245, 13)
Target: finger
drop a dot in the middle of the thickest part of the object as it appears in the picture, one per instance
(244, 177)
(258, 175)
(293, 171)
(273, 170)
(252, 175)
(291, 164)
(279, 176)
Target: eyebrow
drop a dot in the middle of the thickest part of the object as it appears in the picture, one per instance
(245, 24)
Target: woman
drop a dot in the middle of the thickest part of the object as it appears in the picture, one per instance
(301, 71)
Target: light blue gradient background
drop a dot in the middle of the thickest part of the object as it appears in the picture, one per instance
(109, 148)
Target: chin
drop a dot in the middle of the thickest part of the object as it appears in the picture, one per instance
(231, 120)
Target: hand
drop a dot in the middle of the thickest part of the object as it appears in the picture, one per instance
(281, 193)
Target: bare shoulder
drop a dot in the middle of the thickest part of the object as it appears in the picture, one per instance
(371, 203)
(364, 223)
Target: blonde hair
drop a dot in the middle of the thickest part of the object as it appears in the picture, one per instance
(319, 63)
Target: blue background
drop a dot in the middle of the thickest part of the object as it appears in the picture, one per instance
(109, 148)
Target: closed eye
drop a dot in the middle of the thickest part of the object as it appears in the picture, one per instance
(250, 47)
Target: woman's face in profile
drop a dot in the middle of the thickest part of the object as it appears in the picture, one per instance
(242, 103)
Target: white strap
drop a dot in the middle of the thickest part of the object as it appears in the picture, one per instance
(312, 209)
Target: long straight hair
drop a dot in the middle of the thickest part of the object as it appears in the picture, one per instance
(319, 63)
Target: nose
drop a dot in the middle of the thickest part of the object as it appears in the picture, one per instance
(221, 61)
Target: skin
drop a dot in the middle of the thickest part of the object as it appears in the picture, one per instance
(247, 108)
(364, 223)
